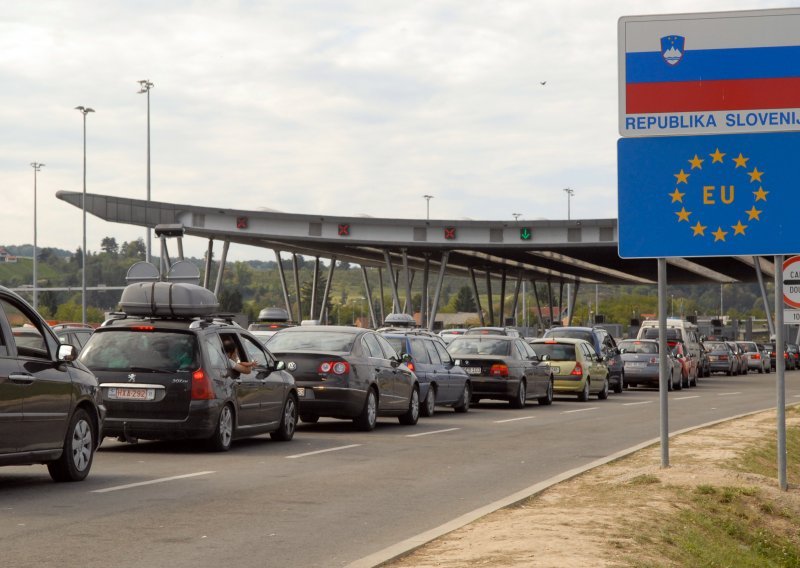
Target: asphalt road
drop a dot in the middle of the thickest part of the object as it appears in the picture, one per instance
(332, 495)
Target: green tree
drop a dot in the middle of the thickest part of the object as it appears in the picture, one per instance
(109, 246)
(230, 300)
(134, 249)
(464, 300)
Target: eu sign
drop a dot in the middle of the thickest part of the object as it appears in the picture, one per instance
(719, 195)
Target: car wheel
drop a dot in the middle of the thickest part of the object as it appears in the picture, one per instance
(466, 398)
(584, 395)
(76, 459)
(309, 418)
(620, 386)
(603, 394)
(693, 383)
(670, 382)
(369, 414)
(679, 385)
(547, 399)
(730, 372)
(521, 398)
(222, 438)
(285, 431)
(411, 415)
(429, 405)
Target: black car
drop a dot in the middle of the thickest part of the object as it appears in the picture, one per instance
(503, 367)
(441, 381)
(75, 334)
(51, 411)
(348, 373)
(604, 344)
(168, 377)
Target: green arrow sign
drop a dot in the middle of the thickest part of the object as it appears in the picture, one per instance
(525, 233)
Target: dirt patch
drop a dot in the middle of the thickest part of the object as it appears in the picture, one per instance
(592, 519)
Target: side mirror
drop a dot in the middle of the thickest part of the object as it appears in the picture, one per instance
(405, 358)
(67, 353)
(545, 358)
(457, 362)
(280, 365)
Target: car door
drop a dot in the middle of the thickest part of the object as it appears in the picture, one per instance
(456, 376)
(403, 378)
(383, 372)
(598, 370)
(11, 393)
(244, 389)
(270, 383)
(45, 383)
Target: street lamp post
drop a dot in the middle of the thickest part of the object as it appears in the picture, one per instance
(427, 206)
(144, 87)
(570, 192)
(36, 167)
(84, 111)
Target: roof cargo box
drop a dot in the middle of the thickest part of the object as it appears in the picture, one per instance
(168, 299)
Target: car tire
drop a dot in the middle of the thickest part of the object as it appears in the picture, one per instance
(309, 418)
(222, 438)
(671, 382)
(428, 406)
(547, 399)
(466, 399)
(79, 447)
(285, 431)
(369, 414)
(603, 394)
(679, 385)
(521, 398)
(411, 415)
(620, 386)
(693, 383)
(584, 394)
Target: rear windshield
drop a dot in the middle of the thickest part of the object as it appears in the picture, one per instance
(555, 351)
(140, 350)
(571, 334)
(397, 343)
(652, 333)
(715, 346)
(312, 340)
(638, 347)
(479, 346)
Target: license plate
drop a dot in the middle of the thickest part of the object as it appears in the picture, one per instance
(116, 393)
(473, 370)
(301, 391)
(636, 364)
(556, 369)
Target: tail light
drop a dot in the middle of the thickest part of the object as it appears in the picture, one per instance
(498, 370)
(755, 356)
(578, 370)
(723, 357)
(653, 361)
(201, 386)
(410, 366)
(335, 367)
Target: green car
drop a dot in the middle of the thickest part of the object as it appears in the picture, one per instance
(576, 366)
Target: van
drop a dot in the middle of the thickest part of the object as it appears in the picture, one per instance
(677, 330)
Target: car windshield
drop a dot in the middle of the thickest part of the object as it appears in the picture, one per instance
(397, 343)
(571, 334)
(479, 346)
(638, 347)
(154, 351)
(715, 346)
(555, 351)
(312, 340)
(652, 333)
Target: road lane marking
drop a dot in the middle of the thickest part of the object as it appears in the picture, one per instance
(513, 419)
(686, 397)
(580, 410)
(151, 482)
(635, 403)
(323, 451)
(432, 432)
(727, 393)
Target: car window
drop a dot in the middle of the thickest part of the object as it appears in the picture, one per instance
(444, 355)
(312, 340)
(254, 352)
(520, 350)
(436, 357)
(397, 343)
(215, 352)
(129, 348)
(556, 351)
(371, 346)
(418, 351)
(26, 330)
(571, 334)
(388, 350)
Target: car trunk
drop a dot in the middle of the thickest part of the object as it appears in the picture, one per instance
(305, 365)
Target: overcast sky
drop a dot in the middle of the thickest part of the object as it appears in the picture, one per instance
(339, 107)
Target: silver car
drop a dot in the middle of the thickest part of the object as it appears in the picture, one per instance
(640, 359)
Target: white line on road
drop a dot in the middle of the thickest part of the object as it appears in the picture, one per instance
(323, 451)
(432, 432)
(580, 410)
(514, 419)
(635, 403)
(727, 393)
(151, 482)
(686, 397)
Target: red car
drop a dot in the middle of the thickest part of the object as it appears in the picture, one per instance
(688, 365)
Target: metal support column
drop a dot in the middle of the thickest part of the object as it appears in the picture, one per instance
(313, 307)
(221, 271)
(489, 301)
(561, 301)
(165, 261)
(180, 248)
(207, 272)
(407, 306)
(571, 302)
(439, 282)
(297, 287)
(423, 309)
(392, 281)
(283, 283)
(323, 312)
(383, 299)
(550, 302)
(502, 321)
(538, 304)
(516, 298)
(477, 296)
(770, 322)
(662, 360)
(369, 297)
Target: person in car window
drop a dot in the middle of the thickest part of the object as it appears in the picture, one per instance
(239, 366)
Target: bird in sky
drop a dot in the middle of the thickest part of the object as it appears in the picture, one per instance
(543, 83)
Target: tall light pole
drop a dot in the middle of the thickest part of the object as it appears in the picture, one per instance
(570, 192)
(84, 111)
(516, 216)
(36, 167)
(144, 87)
(427, 206)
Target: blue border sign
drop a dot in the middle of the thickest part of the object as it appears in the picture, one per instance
(718, 195)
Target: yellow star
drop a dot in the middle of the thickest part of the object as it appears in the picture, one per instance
(677, 196)
(696, 162)
(683, 177)
(719, 234)
(699, 229)
(683, 215)
(761, 195)
(755, 175)
(717, 155)
(741, 161)
(753, 213)
(738, 228)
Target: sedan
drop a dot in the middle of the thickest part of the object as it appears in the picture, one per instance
(576, 366)
(641, 360)
(721, 357)
(503, 367)
(349, 373)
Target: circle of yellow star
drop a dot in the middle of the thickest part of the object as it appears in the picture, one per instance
(761, 195)
(683, 177)
(699, 229)
(696, 162)
(717, 156)
(755, 175)
(677, 196)
(683, 214)
(719, 234)
(738, 228)
(741, 161)
(753, 213)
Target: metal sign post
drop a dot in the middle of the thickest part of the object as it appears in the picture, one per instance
(781, 378)
(663, 390)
